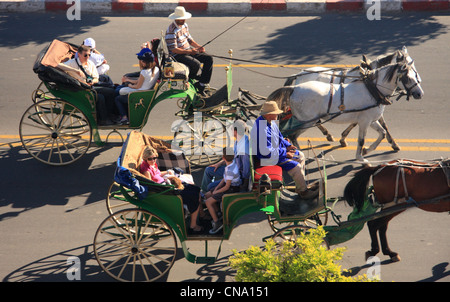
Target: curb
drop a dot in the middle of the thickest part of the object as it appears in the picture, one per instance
(240, 7)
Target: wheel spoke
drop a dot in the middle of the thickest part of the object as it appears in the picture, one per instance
(129, 246)
(63, 124)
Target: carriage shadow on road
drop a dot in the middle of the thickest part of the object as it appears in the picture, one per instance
(31, 184)
(324, 38)
(58, 268)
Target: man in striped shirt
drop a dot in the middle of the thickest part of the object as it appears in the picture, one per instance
(185, 50)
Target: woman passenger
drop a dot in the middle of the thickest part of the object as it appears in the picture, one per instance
(147, 79)
(190, 194)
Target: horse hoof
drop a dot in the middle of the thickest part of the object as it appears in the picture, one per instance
(369, 254)
(364, 151)
(343, 143)
(396, 258)
(396, 148)
(330, 138)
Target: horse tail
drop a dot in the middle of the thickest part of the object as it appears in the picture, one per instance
(281, 96)
(355, 190)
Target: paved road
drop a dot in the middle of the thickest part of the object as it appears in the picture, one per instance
(48, 214)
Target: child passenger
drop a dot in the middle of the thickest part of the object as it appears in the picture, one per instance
(190, 194)
(229, 184)
(148, 77)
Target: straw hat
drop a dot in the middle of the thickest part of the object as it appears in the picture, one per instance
(180, 13)
(270, 107)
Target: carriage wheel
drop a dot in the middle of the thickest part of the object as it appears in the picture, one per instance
(291, 233)
(55, 132)
(39, 94)
(115, 201)
(202, 138)
(135, 245)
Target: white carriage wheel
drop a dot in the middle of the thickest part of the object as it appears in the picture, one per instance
(39, 94)
(135, 245)
(115, 201)
(55, 132)
(202, 138)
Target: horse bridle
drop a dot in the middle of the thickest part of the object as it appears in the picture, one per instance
(404, 79)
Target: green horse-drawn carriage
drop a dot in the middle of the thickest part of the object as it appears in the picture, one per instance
(138, 240)
(58, 127)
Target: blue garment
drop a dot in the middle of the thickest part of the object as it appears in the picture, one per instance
(269, 145)
(242, 159)
(124, 177)
(209, 175)
(242, 156)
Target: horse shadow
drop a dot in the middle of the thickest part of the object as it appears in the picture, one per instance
(438, 271)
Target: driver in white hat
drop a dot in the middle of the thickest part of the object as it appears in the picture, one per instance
(185, 50)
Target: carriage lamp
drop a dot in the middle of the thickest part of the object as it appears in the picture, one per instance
(169, 70)
(264, 185)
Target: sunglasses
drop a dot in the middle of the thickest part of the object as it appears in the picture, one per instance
(152, 158)
(87, 55)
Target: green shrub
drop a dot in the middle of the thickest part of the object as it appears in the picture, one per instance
(305, 260)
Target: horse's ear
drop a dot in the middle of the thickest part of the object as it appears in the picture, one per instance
(404, 49)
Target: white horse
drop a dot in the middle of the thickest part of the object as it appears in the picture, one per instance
(357, 102)
(346, 75)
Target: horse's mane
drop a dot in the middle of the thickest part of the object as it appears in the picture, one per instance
(387, 59)
(391, 70)
(281, 96)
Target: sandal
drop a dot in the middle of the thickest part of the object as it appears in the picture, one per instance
(196, 232)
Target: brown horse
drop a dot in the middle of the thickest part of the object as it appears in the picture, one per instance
(397, 182)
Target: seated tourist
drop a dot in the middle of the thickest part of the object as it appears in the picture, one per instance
(190, 193)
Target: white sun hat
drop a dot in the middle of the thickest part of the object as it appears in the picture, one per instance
(180, 13)
(89, 42)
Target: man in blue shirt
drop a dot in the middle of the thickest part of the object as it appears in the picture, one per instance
(271, 148)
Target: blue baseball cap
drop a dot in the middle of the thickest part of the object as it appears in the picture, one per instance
(146, 55)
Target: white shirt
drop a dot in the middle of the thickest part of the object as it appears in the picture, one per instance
(149, 81)
(89, 67)
(232, 173)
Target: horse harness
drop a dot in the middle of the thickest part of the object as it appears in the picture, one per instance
(341, 83)
(401, 164)
(374, 91)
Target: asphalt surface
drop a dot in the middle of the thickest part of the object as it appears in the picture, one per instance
(49, 214)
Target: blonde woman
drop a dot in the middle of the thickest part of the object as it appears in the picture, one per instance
(190, 194)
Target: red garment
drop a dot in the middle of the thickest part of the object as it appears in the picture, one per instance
(155, 173)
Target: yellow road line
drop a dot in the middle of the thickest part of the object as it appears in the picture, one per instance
(402, 140)
(281, 65)
(287, 66)
(326, 146)
(313, 139)
(383, 148)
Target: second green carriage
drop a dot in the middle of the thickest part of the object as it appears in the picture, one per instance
(138, 240)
